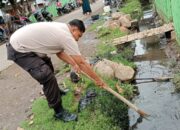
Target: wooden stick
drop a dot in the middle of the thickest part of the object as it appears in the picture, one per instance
(107, 88)
(142, 113)
(156, 79)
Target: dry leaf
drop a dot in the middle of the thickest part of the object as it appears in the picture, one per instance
(31, 117)
(31, 122)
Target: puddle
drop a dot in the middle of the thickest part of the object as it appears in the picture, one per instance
(155, 98)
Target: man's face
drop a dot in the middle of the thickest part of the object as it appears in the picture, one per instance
(76, 33)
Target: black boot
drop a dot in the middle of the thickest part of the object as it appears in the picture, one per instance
(65, 116)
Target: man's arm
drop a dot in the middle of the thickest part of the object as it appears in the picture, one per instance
(86, 68)
(68, 59)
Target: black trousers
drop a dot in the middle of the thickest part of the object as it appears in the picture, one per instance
(40, 69)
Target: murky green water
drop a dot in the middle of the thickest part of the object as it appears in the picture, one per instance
(156, 98)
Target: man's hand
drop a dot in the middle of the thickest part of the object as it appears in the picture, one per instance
(101, 84)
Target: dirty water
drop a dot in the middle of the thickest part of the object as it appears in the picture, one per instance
(156, 98)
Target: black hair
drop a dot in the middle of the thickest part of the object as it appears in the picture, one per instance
(78, 23)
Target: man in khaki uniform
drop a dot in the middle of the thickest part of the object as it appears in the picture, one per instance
(29, 46)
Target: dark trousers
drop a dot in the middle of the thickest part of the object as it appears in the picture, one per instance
(40, 69)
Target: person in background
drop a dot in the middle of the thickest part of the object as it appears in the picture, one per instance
(86, 7)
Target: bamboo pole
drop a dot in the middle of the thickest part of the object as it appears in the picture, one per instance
(140, 112)
(107, 88)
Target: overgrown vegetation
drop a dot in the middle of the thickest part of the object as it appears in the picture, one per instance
(105, 49)
(106, 34)
(132, 7)
(100, 115)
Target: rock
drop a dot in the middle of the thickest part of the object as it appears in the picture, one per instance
(112, 69)
(112, 24)
(121, 71)
(128, 16)
(104, 70)
(124, 73)
(116, 15)
(124, 21)
(124, 29)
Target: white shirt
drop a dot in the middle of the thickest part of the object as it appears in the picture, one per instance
(46, 38)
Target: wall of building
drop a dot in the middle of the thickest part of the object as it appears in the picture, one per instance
(169, 10)
(176, 17)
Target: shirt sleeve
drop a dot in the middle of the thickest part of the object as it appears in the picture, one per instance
(71, 47)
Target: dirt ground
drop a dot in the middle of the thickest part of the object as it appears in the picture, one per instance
(18, 89)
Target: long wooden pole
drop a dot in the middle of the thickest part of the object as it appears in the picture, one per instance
(142, 113)
(107, 88)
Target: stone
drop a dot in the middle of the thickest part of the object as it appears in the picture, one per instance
(128, 16)
(112, 24)
(124, 29)
(104, 70)
(122, 72)
(112, 69)
(116, 15)
(124, 21)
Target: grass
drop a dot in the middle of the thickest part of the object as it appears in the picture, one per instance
(98, 116)
(132, 7)
(94, 26)
(104, 51)
(106, 34)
